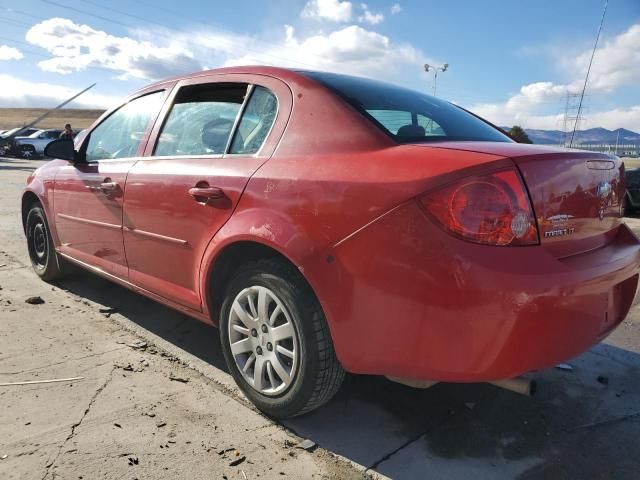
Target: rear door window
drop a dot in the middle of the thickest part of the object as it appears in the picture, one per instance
(201, 120)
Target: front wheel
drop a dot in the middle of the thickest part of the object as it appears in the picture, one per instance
(43, 256)
(276, 341)
(27, 151)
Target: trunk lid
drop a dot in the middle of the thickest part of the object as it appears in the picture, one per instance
(577, 196)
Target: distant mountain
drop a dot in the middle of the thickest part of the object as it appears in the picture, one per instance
(590, 136)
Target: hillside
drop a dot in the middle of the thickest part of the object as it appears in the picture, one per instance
(589, 136)
(78, 118)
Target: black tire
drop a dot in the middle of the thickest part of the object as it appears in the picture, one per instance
(318, 374)
(44, 259)
(27, 151)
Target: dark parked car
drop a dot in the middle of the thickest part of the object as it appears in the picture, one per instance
(7, 139)
(632, 194)
(329, 223)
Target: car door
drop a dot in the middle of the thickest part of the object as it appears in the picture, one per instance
(88, 195)
(214, 134)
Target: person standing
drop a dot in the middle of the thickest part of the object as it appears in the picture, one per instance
(67, 133)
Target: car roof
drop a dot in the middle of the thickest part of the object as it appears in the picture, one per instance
(278, 72)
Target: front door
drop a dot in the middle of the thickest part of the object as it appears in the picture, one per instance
(89, 195)
(211, 141)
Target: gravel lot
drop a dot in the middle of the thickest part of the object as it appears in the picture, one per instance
(155, 400)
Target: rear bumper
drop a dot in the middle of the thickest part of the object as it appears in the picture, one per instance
(405, 299)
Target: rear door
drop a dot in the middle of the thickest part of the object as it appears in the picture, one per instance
(214, 134)
(88, 196)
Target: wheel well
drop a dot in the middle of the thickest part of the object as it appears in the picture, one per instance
(29, 199)
(228, 261)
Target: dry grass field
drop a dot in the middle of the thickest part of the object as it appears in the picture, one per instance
(14, 117)
(631, 162)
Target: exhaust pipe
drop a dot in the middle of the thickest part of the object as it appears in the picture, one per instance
(517, 385)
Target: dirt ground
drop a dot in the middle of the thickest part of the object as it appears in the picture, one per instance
(78, 118)
(155, 401)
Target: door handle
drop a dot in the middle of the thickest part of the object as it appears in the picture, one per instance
(206, 193)
(108, 186)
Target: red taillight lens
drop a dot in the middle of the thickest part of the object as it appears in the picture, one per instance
(493, 209)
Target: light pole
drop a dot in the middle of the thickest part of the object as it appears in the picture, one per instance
(442, 68)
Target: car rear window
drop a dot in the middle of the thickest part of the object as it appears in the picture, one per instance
(407, 115)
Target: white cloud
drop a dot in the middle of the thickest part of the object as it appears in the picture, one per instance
(351, 49)
(616, 64)
(15, 92)
(369, 17)
(75, 47)
(395, 9)
(10, 53)
(334, 10)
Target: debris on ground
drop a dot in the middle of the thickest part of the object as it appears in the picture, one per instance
(108, 311)
(307, 445)
(564, 366)
(178, 379)
(3, 457)
(34, 382)
(133, 461)
(128, 367)
(138, 345)
(604, 380)
(34, 300)
(237, 461)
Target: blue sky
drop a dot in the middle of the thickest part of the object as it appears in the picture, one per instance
(510, 61)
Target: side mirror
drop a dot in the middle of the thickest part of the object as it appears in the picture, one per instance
(62, 149)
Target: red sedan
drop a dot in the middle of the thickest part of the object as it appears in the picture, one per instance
(329, 223)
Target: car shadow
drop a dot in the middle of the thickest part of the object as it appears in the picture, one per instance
(583, 423)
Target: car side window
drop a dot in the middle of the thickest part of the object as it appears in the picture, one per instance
(255, 124)
(119, 136)
(201, 120)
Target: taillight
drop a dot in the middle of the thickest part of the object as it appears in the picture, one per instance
(492, 209)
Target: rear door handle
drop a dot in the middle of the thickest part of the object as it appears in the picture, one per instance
(206, 193)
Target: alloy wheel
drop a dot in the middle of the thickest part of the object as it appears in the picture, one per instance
(263, 340)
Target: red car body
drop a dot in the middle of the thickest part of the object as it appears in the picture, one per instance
(343, 202)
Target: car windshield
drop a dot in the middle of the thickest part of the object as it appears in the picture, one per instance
(408, 116)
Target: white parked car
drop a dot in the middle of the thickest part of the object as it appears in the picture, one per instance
(34, 144)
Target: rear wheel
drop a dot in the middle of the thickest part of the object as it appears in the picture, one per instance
(44, 258)
(276, 341)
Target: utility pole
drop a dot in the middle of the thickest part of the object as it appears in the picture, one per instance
(442, 68)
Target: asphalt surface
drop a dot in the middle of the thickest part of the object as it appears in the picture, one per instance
(583, 423)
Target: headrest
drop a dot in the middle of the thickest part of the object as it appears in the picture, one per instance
(411, 131)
